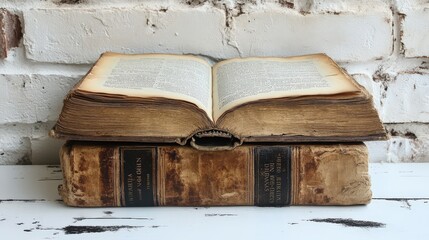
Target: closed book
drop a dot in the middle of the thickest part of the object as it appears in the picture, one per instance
(124, 174)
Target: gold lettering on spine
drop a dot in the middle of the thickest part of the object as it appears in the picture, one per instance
(139, 172)
(130, 180)
(139, 177)
(278, 187)
(266, 175)
(272, 181)
(273, 184)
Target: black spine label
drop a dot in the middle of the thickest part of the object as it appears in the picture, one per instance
(272, 175)
(138, 170)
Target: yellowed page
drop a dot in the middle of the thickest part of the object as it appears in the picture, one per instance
(237, 81)
(153, 75)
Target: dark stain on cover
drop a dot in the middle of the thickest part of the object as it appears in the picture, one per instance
(76, 186)
(348, 222)
(311, 166)
(80, 202)
(194, 196)
(83, 179)
(83, 164)
(319, 190)
(106, 176)
(174, 157)
(173, 181)
(326, 199)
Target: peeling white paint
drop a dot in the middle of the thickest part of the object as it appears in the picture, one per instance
(406, 99)
(415, 36)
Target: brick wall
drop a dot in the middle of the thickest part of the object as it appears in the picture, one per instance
(47, 45)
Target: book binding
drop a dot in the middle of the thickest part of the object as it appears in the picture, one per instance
(264, 175)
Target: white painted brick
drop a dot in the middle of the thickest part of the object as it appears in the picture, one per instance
(31, 4)
(377, 151)
(345, 37)
(399, 149)
(10, 32)
(80, 35)
(32, 98)
(28, 143)
(408, 150)
(14, 150)
(26, 130)
(18, 64)
(344, 5)
(415, 33)
(408, 142)
(407, 5)
(45, 150)
(406, 99)
(413, 131)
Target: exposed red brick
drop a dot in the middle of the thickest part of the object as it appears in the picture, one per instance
(10, 32)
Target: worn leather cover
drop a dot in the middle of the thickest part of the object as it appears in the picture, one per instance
(102, 174)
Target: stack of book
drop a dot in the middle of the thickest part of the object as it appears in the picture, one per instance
(173, 130)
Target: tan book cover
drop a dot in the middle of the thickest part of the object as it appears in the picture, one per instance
(182, 99)
(114, 174)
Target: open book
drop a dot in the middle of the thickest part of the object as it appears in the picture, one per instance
(181, 98)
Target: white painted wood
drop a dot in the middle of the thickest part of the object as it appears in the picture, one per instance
(29, 210)
(30, 182)
(399, 180)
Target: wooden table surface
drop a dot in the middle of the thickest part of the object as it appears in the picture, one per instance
(30, 209)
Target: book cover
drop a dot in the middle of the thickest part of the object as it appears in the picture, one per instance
(124, 174)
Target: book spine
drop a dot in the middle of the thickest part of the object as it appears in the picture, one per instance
(130, 175)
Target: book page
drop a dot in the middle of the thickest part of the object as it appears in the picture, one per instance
(153, 75)
(238, 81)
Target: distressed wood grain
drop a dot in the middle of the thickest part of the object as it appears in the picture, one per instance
(30, 209)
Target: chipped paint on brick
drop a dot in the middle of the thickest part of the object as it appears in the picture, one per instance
(10, 32)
